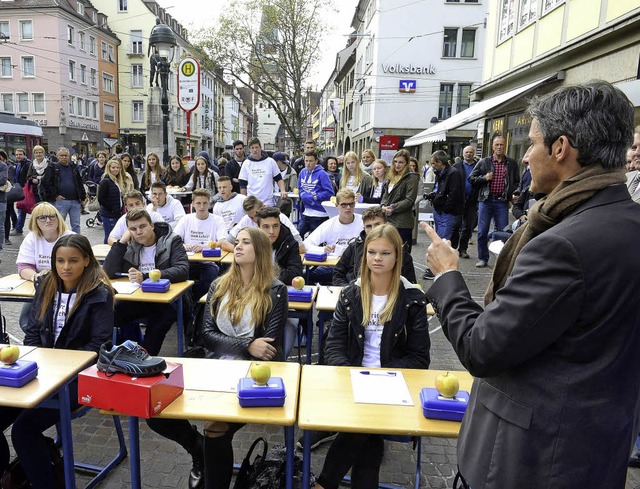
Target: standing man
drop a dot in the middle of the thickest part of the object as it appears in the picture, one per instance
(62, 186)
(232, 168)
(258, 173)
(497, 177)
(309, 146)
(314, 187)
(463, 231)
(23, 165)
(290, 178)
(555, 402)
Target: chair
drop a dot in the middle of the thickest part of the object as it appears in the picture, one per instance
(100, 471)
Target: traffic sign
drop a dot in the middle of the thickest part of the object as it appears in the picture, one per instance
(188, 84)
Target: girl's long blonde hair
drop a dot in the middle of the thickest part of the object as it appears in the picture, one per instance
(159, 170)
(117, 179)
(345, 173)
(395, 177)
(375, 179)
(390, 233)
(256, 295)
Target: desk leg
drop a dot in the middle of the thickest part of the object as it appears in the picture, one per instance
(322, 318)
(289, 443)
(306, 458)
(180, 327)
(67, 442)
(309, 334)
(134, 447)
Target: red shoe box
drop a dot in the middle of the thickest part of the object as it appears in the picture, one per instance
(143, 397)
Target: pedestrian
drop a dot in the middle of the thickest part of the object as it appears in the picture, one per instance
(463, 231)
(314, 187)
(23, 167)
(110, 191)
(354, 177)
(4, 175)
(258, 173)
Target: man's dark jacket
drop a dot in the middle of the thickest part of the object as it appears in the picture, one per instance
(449, 197)
(50, 182)
(287, 256)
(485, 165)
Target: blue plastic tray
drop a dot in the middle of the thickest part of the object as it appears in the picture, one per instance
(18, 374)
(304, 295)
(252, 395)
(315, 256)
(160, 286)
(211, 252)
(435, 406)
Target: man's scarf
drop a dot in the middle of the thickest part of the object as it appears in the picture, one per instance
(549, 211)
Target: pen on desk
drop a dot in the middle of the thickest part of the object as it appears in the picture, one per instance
(122, 274)
(383, 374)
(329, 289)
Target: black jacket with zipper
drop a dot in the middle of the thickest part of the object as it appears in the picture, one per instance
(287, 256)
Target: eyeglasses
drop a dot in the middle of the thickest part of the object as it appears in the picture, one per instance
(346, 205)
(47, 218)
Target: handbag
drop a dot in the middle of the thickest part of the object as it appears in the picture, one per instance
(29, 201)
(14, 476)
(15, 193)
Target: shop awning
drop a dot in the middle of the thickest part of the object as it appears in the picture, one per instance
(438, 132)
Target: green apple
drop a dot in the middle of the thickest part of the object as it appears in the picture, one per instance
(298, 283)
(260, 373)
(9, 354)
(155, 274)
(447, 385)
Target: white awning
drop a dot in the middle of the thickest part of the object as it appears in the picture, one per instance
(632, 90)
(438, 132)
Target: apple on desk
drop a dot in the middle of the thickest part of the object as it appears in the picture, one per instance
(154, 275)
(298, 283)
(213, 244)
(9, 354)
(447, 385)
(260, 373)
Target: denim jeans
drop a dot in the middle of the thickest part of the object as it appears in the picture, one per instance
(463, 231)
(3, 212)
(495, 209)
(445, 224)
(22, 216)
(108, 223)
(309, 224)
(72, 209)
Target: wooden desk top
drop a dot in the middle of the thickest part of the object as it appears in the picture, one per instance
(55, 368)
(224, 406)
(101, 251)
(25, 290)
(175, 290)
(330, 262)
(326, 403)
(227, 259)
(328, 299)
(198, 258)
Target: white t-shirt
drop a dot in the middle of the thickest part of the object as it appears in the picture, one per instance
(121, 226)
(377, 191)
(147, 259)
(230, 210)
(62, 304)
(172, 211)
(259, 176)
(196, 231)
(333, 232)
(373, 333)
(247, 222)
(36, 251)
(351, 184)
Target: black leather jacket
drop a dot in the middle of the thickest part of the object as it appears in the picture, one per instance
(287, 256)
(219, 344)
(405, 338)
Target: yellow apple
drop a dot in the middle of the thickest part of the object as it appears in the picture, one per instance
(447, 385)
(213, 244)
(9, 354)
(295, 190)
(155, 275)
(298, 283)
(332, 199)
(260, 373)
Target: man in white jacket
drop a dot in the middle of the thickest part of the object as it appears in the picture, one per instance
(169, 208)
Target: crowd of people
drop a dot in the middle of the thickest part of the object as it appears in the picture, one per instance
(550, 350)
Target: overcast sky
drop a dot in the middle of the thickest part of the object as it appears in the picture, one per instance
(196, 13)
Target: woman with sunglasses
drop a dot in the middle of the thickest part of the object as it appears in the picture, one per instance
(46, 226)
(73, 311)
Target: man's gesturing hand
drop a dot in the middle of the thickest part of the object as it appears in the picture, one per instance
(440, 255)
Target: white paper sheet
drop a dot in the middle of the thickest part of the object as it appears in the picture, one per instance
(125, 287)
(11, 283)
(380, 387)
(226, 381)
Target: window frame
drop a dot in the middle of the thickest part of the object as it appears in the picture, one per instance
(83, 74)
(82, 43)
(9, 96)
(21, 23)
(22, 66)
(71, 34)
(8, 31)
(462, 42)
(72, 70)
(138, 78)
(459, 97)
(104, 113)
(93, 76)
(71, 105)
(140, 112)
(441, 113)
(93, 46)
(108, 79)
(123, 6)
(2, 75)
(23, 96)
(44, 103)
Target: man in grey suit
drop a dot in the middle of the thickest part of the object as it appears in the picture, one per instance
(555, 351)
(633, 177)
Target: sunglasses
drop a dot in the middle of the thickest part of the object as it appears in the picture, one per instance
(346, 205)
(47, 218)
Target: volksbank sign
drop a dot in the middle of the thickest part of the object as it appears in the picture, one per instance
(409, 69)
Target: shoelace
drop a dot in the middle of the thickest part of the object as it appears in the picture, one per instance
(136, 349)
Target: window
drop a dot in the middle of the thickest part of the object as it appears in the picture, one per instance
(528, 12)
(467, 47)
(80, 8)
(109, 112)
(138, 111)
(7, 102)
(6, 70)
(5, 30)
(449, 44)
(137, 80)
(87, 108)
(110, 55)
(107, 82)
(83, 74)
(548, 5)
(80, 107)
(94, 16)
(92, 45)
(81, 41)
(507, 15)
(94, 110)
(26, 30)
(28, 67)
(70, 34)
(94, 78)
(72, 70)
(23, 103)
(446, 99)
(72, 105)
(38, 103)
(122, 6)
(136, 42)
(464, 96)
(105, 53)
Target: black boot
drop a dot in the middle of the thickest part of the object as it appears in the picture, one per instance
(196, 476)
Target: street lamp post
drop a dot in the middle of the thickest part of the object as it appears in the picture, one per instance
(163, 43)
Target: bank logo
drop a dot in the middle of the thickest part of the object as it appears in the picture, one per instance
(408, 86)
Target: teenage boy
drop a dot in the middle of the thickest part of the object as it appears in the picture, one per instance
(290, 178)
(144, 247)
(232, 168)
(286, 253)
(132, 200)
(258, 173)
(229, 205)
(169, 208)
(314, 187)
(348, 268)
(196, 230)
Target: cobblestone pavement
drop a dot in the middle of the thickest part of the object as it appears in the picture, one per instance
(165, 465)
